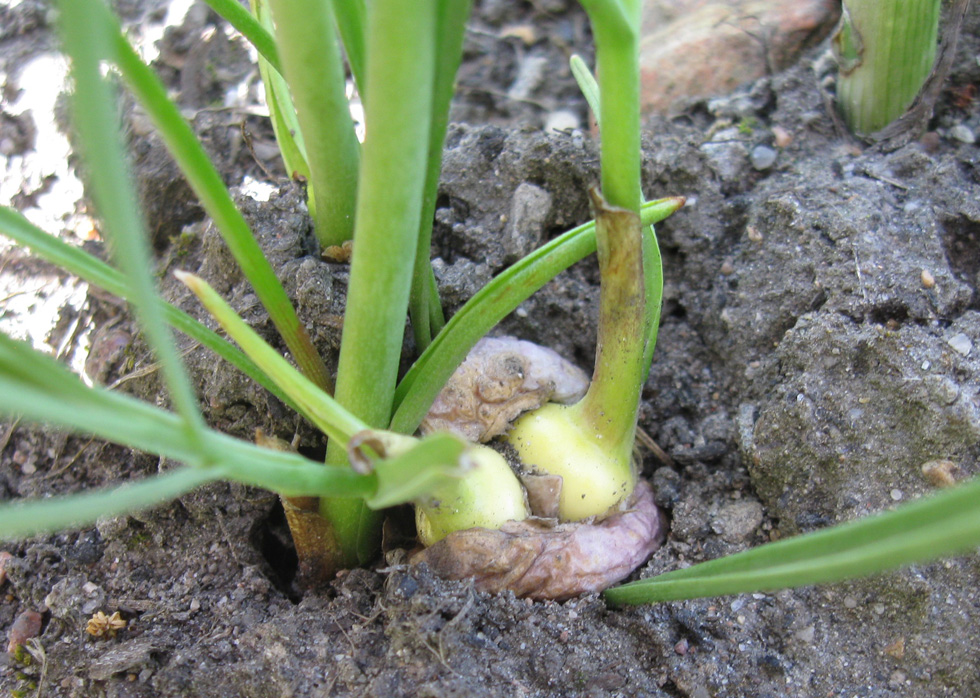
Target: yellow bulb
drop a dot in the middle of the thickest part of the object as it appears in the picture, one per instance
(595, 476)
(487, 496)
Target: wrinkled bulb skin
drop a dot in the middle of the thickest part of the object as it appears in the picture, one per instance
(595, 478)
(488, 496)
(530, 555)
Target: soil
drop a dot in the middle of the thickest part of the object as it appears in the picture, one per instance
(820, 344)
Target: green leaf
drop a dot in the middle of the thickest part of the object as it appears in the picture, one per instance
(282, 113)
(98, 273)
(87, 40)
(586, 83)
(29, 518)
(932, 527)
(42, 390)
(321, 409)
(351, 18)
(490, 305)
(424, 304)
(210, 189)
(257, 35)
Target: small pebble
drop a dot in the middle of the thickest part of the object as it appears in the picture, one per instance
(525, 32)
(928, 280)
(960, 343)
(930, 141)
(850, 602)
(681, 647)
(727, 269)
(896, 649)
(763, 157)
(753, 233)
(27, 625)
(781, 136)
(896, 679)
(5, 557)
(963, 134)
(806, 634)
(562, 120)
(896, 495)
(940, 473)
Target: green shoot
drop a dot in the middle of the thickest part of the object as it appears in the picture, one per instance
(590, 444)
(886, 50)
(307, 37)
(389, 207)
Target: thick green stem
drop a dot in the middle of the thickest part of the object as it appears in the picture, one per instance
(614, 394)
(615, 24)
(315, 72)
(589, 445)
(401, 40)
(886, 49)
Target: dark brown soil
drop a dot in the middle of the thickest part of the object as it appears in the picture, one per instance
(806, 370)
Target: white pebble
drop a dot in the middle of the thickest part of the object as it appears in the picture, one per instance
(963, 134)
(960, 343)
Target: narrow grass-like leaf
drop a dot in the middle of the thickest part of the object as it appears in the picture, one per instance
(401, 45)
(586, 83)
(282, 113)
(210, 189)
(40, 389)
(315, 73)
(96, 272)
(653, 282)
(253, 31)
(490, 305)
(87, 40)
(424, 305)
(29, 518)
(939, 525)
(351, 16)
(321, 409)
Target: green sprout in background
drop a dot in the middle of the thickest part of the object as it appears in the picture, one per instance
(382, 195)
(893, 64)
